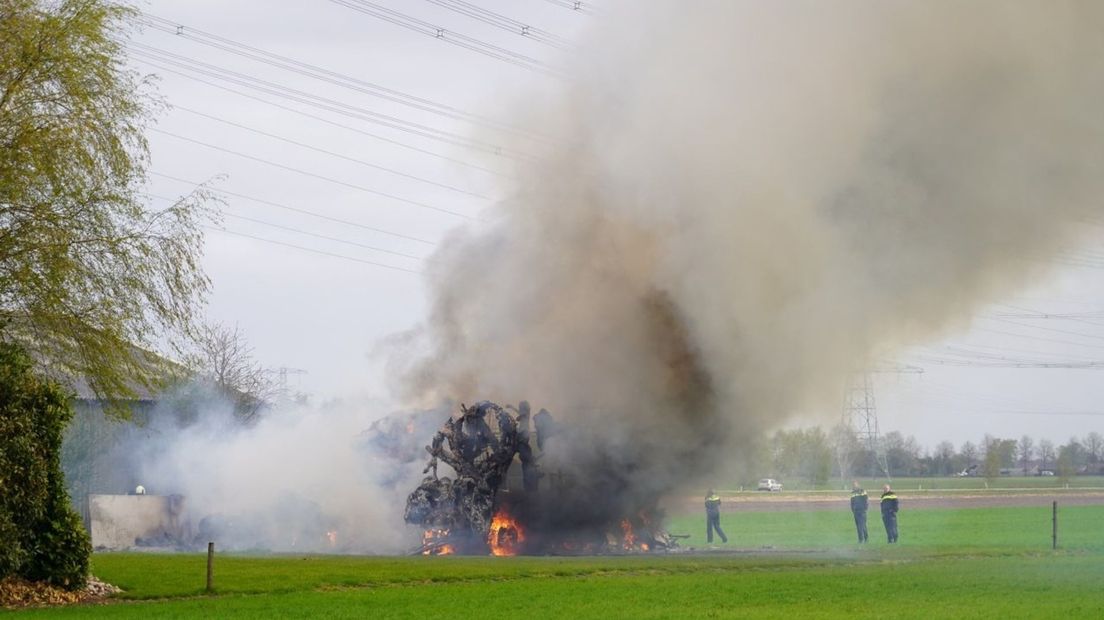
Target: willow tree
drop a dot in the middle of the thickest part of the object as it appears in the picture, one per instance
(89, 276)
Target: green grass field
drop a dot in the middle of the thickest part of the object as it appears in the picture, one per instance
(951, 563)
(1019, 529)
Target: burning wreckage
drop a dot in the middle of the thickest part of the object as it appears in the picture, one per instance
(484, 510)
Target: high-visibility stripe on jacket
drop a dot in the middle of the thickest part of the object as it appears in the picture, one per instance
(713, 504)
(889, 502)
(859, 501)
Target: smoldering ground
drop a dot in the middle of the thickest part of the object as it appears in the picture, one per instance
(750, 200)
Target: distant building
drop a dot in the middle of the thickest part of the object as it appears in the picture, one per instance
(93, 454)
(100, 452)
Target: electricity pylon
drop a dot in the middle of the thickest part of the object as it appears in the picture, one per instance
(284, 390)
(860, 419)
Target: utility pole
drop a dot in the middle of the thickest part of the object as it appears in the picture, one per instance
(860, 419)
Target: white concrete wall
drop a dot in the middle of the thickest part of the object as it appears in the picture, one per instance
(117, 521)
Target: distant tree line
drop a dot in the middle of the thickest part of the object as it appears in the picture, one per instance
(815, 456)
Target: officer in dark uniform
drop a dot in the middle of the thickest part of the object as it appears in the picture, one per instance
(889, 513)
(713, 517)
(859, 504)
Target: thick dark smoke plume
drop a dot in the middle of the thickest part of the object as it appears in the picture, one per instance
(749, 199)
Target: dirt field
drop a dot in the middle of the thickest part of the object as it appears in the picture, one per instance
(914, 499)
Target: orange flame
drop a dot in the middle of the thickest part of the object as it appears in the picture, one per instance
(506, 535)
(432, 536)
(332, 537)
(628, 538)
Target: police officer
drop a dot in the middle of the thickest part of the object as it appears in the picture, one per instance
(713, 517)
(859, 503)
(889, 513)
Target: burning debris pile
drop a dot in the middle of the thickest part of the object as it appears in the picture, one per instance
(480, 512)
(479, 446)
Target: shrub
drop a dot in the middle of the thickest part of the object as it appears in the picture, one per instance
(44, 539)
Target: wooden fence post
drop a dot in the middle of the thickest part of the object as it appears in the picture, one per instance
(210, 567)
(1054, 525)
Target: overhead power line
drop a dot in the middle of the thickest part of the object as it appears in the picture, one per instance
(1027, 313)
(1048, 329)
(297, 210)
(314, 175)
(587, 8)
(1039, 338)
(1001, 352)
(1079, 317)
(327, 121)
(300, 231)
(968, 363)
(306, 249)
(502, 22)
(330, 153)
(323, 237)
(326, 75)
(150, 52)
(448, 36)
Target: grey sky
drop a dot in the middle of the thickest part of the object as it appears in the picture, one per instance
(303, 310)
(326, 314)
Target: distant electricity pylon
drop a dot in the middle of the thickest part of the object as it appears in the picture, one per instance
(860, 420)
(282, 381)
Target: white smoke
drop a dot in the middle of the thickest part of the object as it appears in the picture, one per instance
(302, 478)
